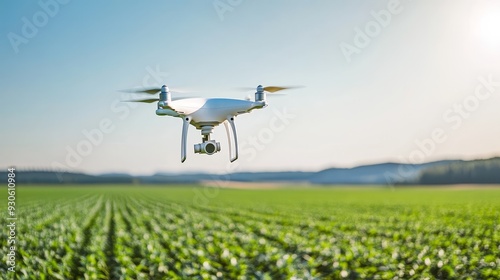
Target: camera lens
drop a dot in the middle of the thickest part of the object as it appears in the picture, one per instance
(210, 148)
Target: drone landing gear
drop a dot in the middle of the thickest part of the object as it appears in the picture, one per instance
(185, 125)
(229, 124)
(208, 146)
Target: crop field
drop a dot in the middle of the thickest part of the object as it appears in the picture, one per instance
(189, 232)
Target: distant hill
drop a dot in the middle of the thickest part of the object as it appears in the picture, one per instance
(485, 171)
(438, 172)
(383, 173)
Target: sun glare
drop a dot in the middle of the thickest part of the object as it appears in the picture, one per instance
(488, 27)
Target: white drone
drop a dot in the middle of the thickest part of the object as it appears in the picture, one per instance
(207, 113)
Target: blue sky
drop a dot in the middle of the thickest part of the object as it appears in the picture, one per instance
(411, 91)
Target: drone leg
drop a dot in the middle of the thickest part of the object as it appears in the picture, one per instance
(230, 120)
(185, 125)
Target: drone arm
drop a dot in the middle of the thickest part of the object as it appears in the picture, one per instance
(185, 124)
(230, 121)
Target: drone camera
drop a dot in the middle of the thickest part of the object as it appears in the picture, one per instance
(208, 147)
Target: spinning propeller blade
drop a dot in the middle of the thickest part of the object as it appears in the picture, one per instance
(148, 100)
(275, 89)
(143, 90)
(151, 100)
(153, 90)
(272, 89)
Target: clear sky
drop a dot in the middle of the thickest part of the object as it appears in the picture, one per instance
(405, 81)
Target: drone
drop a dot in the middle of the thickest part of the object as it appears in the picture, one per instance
(207, 113)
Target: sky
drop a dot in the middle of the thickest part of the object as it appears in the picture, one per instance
(404, 81)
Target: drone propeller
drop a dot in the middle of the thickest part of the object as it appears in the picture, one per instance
(148, 100)
(153, 90)
(272, 89)
(151, 100)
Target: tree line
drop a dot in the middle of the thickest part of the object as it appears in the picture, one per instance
(485, 171)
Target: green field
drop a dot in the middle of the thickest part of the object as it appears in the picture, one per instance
(206, 233)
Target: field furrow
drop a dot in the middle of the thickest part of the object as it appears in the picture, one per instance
(83, 240)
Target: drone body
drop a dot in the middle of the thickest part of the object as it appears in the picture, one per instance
(207, 113)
